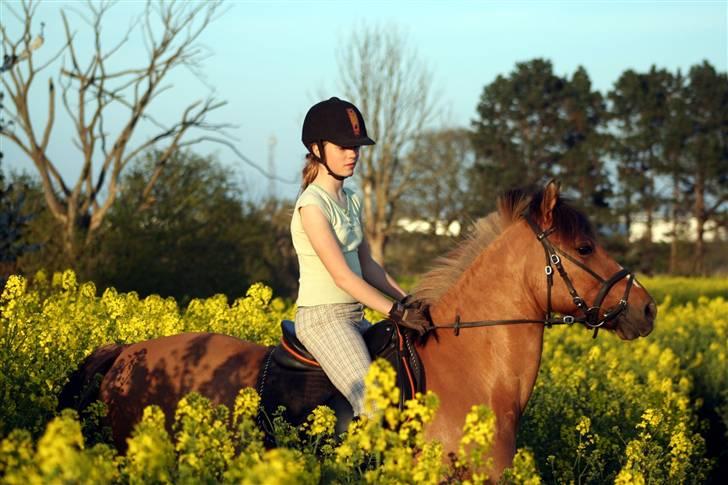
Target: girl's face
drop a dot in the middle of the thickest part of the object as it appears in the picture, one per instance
(341, 160)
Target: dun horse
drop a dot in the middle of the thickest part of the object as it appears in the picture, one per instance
(534, 256)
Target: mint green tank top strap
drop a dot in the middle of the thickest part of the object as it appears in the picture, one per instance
(316, 286)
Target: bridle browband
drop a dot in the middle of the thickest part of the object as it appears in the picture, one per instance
(590, 316)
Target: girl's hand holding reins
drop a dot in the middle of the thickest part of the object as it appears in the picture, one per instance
(412, 317)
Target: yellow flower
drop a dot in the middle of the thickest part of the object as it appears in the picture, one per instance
(594, 354)
(629, 477)
(279, 466)
(260, 292)
(322, 421)
(649, 418)
(429, 467)
(584, 425)
(477, 439)
(523, 471)
(247, 404)
(381, 390)
(68, 280)
(150, 454)
(14, 288)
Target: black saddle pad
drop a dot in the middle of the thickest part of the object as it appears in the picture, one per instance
(299, 390)
(287, 381)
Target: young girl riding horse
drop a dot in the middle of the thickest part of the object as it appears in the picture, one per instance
(337, 272)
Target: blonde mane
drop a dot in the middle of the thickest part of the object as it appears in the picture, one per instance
(449, 268)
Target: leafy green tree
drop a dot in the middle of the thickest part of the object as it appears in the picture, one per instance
(14, 220)
(40, 232)
(276, 252)
(196, 238)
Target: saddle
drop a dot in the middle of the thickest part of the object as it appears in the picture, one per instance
(292, 378)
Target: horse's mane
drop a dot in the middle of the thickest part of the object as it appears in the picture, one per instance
(570, 223)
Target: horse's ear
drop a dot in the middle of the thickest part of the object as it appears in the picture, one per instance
(550, 197)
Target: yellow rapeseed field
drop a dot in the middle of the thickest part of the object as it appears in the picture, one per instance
(603, 411)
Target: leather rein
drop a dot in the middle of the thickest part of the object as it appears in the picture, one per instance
(590, 314)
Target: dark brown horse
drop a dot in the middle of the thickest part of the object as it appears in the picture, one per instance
(498, 273)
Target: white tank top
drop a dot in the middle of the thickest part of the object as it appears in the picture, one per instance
(316, 286)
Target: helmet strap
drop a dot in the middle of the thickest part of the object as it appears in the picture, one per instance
(322, 159)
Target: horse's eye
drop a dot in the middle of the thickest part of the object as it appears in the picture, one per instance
(585, 250)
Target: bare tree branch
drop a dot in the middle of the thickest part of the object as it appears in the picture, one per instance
(393, 89)
(242, 157)
(51, 115)
(88, 89)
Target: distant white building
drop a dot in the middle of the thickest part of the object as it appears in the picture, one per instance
(661, 229)
(425, 227)
(687, 230)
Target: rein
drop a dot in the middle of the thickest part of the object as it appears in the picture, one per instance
(590, 314)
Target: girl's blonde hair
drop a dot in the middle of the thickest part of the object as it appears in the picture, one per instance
(312, 165)
(309, 170)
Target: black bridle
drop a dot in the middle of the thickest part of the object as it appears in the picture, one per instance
(590, 314)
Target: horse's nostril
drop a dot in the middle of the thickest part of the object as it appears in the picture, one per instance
(651, 311)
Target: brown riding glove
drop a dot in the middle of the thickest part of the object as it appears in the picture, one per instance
(412, 317)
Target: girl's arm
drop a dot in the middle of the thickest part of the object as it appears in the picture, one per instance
(376, 276)
(322, 238)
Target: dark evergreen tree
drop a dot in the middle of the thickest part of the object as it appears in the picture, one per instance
(584, 143)
(516, 135)
(533, 125)
(673, 164)
(639, 111)
(706, 99)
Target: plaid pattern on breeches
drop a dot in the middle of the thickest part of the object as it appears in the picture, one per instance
(332, 333)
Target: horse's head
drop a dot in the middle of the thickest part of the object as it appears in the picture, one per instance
(576, 277)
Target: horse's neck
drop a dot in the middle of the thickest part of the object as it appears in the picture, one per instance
(493, 287)
(502, 359)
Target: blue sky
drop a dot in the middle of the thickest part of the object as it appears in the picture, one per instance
(271, 60)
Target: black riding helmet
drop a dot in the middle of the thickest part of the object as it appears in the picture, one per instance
(337, 121)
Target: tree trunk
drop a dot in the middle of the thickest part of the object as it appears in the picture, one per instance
(648, 224)
(377, 244)
(699, 213)
(673, 268)
(647, 254)
(374, 222)
(628, 216)
(69, 237)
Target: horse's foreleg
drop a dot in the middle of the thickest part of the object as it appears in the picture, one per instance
(504, 443)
